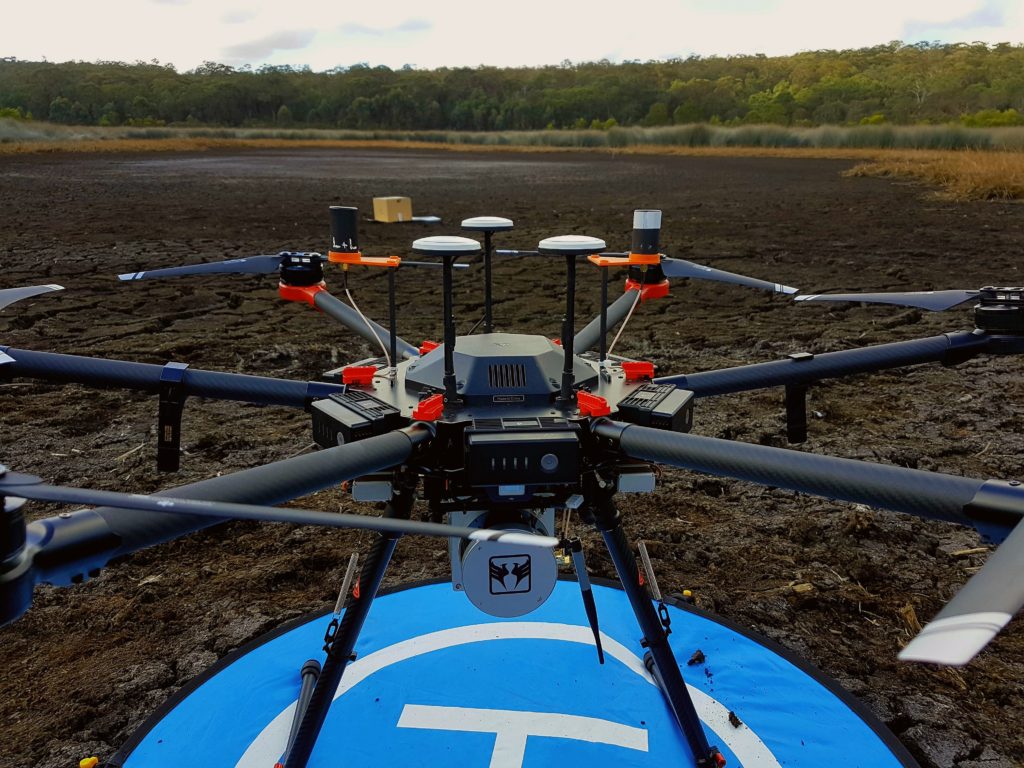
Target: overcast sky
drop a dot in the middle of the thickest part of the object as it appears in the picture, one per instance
(435, 33)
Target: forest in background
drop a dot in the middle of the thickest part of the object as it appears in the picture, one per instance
(973, 84)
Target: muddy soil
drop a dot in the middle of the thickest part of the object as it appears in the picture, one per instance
(87, 664)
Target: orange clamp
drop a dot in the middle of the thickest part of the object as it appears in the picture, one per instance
(592, 405)
(429, 409)
(301, 293)
(356, 258)
(648, 290)
(428, 346)
(632, 260)
(638, 370)
(358, 374)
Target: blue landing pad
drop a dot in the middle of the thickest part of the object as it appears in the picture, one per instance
(438, 683)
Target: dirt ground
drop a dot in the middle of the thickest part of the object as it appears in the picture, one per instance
(86, 665)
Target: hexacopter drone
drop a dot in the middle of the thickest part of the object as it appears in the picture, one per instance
(499, 433)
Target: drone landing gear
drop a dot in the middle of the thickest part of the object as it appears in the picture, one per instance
(660, 660)
(340, 646)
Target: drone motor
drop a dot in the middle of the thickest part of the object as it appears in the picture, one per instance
(1000, 310)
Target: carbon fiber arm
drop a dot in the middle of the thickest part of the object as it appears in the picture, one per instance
(69, 547)
(949, 348)
(925, 494)
(617, 310)
(338, 310)
(94, 372)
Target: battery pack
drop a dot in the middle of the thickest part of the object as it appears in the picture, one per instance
(660, 406)
(345, 417)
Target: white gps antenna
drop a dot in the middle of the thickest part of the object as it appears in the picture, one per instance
(488, 225)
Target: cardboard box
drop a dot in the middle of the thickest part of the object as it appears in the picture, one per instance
(392, 209)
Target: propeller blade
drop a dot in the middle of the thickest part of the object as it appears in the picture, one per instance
(10, 295)
(936, 301)
(31, 487)
(260, 265)
(457, 265)
(977, 613)
(683, 268)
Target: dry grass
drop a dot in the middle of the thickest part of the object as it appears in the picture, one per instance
(961, 174)
(201, 144)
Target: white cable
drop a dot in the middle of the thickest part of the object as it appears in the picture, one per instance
(624, 322)
(383, 346)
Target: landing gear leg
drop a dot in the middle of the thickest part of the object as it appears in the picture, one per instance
(663, 663)
(339, 649)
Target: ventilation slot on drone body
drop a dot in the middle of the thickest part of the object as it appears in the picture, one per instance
(507, 376)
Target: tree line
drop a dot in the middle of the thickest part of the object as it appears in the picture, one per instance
(975, 83)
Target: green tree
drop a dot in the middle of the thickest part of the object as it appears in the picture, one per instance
(657, 114)
(60, 110)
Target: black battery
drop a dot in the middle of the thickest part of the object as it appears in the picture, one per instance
(345, 417)
(660, 406)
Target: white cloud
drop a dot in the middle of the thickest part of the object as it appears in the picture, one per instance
(265, 47)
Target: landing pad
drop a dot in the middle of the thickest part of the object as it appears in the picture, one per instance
(437, 682)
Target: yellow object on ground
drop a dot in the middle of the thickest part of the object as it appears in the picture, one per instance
(89, 762)
(390, 209)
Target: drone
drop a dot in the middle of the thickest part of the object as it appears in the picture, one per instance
(500, 434)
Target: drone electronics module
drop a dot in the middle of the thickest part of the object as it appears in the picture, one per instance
(502, 436)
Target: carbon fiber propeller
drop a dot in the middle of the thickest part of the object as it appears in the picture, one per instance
(977, 612)
(936, 301)
(682, 268)
(10, 295)
(264, 264)
(19, 485)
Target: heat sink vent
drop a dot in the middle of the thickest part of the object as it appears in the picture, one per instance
(507, 376)
(487, 424)
(552, 421)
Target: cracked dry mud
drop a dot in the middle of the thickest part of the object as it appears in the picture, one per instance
(88, 664)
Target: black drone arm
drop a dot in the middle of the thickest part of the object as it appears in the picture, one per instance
(949, 349)
(974, 616)
(70, 548)
(617, 310)
(338, 310)
(925, 494)
(262, 390)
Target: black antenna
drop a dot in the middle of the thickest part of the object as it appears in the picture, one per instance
(448, 248)
(569, 246)
(488, 225)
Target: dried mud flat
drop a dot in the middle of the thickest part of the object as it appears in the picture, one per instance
(88, 664)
